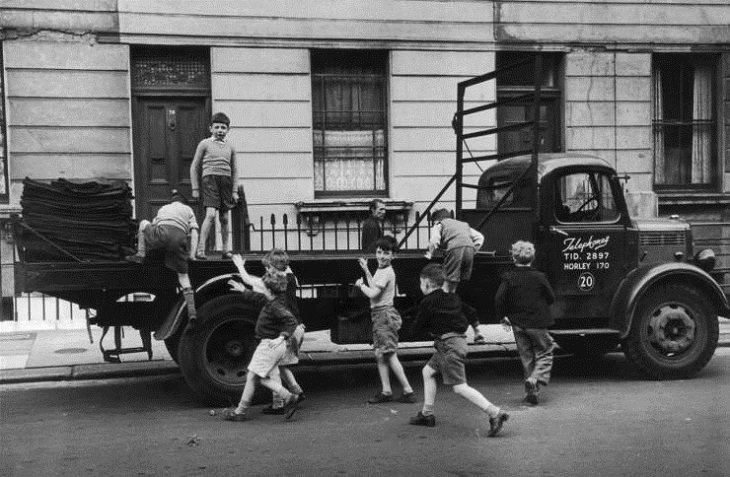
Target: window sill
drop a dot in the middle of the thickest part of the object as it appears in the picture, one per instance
(693, 198)
(354, 206)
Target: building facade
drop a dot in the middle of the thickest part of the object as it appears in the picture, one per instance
(335, 102)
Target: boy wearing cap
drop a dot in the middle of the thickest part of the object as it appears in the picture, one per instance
(214, 164)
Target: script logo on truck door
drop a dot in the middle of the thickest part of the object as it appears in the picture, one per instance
(587, 255)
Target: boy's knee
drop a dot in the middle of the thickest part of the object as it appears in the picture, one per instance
(144, 224)
(210, 213)
(460, 389)
(428, 372)
(223, 217)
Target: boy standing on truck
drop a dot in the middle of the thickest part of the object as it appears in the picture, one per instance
(278, 260)
(523, 299)
(170, 230)
(442, 315)
(274, 326)
(459, 242)
(217, 159)
(380, 288)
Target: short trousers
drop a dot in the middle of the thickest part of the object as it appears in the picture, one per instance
(265, 359)
(458, 263)
(449, 359)
(386, 323)
(218, 192)
(171, 239)
(291, 355)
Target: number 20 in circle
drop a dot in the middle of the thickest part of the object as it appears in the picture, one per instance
(586, 281)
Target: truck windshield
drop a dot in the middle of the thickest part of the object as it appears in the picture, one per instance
(585, 197)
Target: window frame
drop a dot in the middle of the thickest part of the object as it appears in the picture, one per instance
(551, 94)
(381, 59)
(687, 59)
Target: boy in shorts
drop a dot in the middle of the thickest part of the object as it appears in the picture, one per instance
(274, 326)
(380, 288)
(278, 260)
(217, 159)
(442, 315)
(459, 242)
(170, 230)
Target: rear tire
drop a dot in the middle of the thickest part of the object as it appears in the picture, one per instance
(214, 356)
(674, 332)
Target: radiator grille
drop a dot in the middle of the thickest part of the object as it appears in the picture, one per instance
(661, 238)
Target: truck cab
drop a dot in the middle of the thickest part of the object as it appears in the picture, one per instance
(617, 280)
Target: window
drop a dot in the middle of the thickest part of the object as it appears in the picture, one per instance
(585, 197)
(521, 80)
(350, 123)
(684, 122)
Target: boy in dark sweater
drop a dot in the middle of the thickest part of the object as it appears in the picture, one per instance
(523, 299)
(274, 326)
(442, 315)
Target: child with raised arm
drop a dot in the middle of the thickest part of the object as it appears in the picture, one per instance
(523, 299)
(274, 326)
(380, 288)
(442, 315)
(214, 169)
(278, 260)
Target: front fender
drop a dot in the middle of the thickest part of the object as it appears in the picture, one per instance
(640, 280)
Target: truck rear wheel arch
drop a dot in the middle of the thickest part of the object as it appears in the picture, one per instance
(214, 355)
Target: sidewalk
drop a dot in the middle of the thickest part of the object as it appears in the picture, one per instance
(30, 354)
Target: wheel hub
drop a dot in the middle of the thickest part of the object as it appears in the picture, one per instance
(672, 329)
(234, 348)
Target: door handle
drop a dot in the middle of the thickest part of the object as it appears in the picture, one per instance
(556, 230)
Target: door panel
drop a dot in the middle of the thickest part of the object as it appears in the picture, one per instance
(167, 131)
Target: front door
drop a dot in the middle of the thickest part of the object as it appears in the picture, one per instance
(167, 131)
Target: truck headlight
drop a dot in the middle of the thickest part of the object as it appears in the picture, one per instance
(705, 259)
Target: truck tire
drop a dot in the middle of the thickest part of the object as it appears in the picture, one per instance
(587, 346)
(674, 332)
(214, 355)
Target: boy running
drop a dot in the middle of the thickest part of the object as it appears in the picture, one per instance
(442, 315)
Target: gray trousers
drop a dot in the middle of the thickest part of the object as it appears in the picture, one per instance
(535, 346)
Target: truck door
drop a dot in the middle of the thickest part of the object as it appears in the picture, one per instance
(586, 243)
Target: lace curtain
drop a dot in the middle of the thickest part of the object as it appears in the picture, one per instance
(683, 146)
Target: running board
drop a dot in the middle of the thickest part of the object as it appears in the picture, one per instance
(586, 331)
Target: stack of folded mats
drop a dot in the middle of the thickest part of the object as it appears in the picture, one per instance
(90, 221)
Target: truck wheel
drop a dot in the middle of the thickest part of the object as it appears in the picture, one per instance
(214, 355)
(673, 334)
(587, 346)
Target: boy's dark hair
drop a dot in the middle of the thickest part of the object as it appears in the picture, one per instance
(177, 196)
(275, 281)
(220, 118)
(386, 243)
(277, 258)
(440, 214)
(434, 273)
(374, 203)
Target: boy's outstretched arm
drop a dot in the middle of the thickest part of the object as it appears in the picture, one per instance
(254, 282)
(363, 262)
